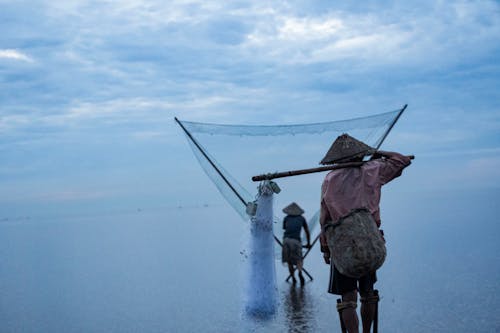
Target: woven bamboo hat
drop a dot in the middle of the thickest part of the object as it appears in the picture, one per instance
(293, 209)
(345, 148)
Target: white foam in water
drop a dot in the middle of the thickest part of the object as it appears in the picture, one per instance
(262, 290)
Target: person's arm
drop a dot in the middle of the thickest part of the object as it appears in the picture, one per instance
(323, 217)
(392, 165)
(284, 223)
(308, 235)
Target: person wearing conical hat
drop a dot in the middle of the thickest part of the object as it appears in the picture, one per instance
(292, 242)
(350, 197)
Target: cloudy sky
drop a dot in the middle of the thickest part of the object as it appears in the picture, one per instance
(89, 89)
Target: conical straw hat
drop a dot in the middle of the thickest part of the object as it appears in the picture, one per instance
(345, 148)
(293, 209)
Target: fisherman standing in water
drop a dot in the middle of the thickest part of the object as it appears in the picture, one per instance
(292, 243)
(350, 200)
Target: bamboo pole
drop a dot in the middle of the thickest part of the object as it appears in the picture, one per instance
(210, 161)
(392, 125)
(269, 176)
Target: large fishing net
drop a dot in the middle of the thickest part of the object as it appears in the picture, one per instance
(231, 154)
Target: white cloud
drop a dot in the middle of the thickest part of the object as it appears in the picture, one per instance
(14, 55)
(442, 34)
(133, 14)
(294, 28)
(114, 113)
(130, 108)
(8, 122)
(208, 82)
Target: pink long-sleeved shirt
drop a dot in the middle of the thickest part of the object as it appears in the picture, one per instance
(357, 187)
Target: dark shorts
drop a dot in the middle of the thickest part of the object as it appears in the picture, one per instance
(341, 284)
(292, 251)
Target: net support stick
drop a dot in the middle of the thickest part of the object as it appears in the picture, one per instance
(210, 161)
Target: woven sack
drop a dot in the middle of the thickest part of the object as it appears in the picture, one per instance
(356, 245)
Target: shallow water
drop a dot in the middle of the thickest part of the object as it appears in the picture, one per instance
(183, 270)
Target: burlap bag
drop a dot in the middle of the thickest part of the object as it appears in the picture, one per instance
(356, 245)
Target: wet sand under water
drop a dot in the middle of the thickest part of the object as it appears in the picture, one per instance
(176, 271)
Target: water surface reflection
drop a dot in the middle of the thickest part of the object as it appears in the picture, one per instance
(299, 309)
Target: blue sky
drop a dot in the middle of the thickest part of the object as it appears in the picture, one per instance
(89, 89)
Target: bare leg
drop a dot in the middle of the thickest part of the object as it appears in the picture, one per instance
(301, 277)
(368, 307)
(349, 315)
(291, 269)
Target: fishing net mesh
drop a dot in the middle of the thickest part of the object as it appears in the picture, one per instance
(231, 154)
